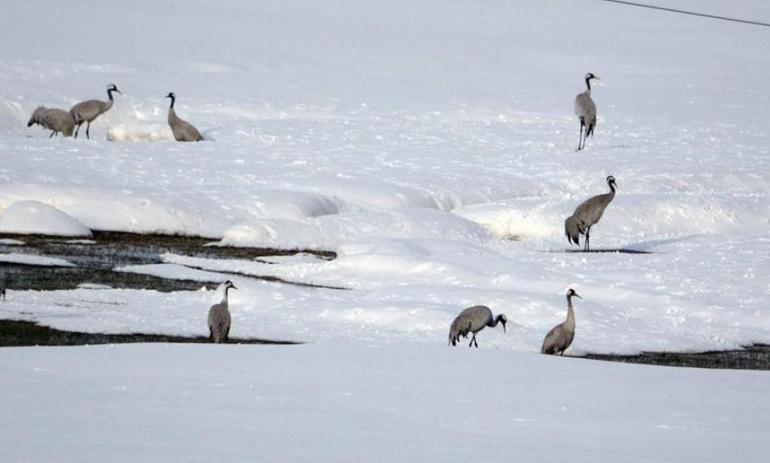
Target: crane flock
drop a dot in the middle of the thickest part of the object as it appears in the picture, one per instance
(471, 320)
(66, 122)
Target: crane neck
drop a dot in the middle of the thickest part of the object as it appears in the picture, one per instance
(570, 312)
(588, 84)
(224, 298)
(109, 93)
(173, 100)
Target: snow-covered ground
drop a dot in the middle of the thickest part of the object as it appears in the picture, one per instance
(332, 402)
(431, 145)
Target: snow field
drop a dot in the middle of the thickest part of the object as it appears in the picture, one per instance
(336, 402)
(431, 146)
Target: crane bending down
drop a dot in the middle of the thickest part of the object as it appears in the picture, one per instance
(587, 215)
(472, 320)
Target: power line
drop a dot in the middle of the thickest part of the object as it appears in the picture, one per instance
(691, 13)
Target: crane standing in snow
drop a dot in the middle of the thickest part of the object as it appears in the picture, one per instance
(587, 215)
(219, 317)
(472, 320)
(183, 130)
(87, 111)
(585, 110)
(560, 337)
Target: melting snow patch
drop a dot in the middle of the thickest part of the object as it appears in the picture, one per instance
(40, 261)
(34, 217)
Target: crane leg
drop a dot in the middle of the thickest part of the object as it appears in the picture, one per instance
(588, 238)
(52, 134)
(580, 139)
(88, 127)
(77, 130)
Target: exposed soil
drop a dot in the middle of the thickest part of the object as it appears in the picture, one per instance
(25, 333)
(96, 258)
(754, 357)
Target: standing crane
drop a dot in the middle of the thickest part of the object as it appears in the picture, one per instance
(585, 110)
(587, 215)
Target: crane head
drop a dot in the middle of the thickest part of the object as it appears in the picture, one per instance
(113, 88)
(611, 181)
(229, 284)
(571, 293)
(591, 75)
(502, 319)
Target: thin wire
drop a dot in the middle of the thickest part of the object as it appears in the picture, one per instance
(691, 13)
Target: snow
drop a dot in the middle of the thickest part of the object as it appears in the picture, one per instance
(191, 403)
(40, 261)
(430, 145)
(30, 217)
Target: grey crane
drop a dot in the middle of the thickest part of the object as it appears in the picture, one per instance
(219, 317)
(585, 110)
(587, 215)
(54, 119)
(472, 320)
(560, 337)
(183, 130)
(87, 111)
(37, 117)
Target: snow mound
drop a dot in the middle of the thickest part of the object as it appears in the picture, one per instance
(27, 217)
(140, 133)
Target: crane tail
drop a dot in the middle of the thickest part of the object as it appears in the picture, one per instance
(572, 231)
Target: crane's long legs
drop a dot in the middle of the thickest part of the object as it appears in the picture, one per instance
(473, 340)
(588, 238)
(77, 130)
(88, 127)
(580, 139)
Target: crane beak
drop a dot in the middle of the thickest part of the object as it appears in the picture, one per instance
(233, 286)
(577, 296)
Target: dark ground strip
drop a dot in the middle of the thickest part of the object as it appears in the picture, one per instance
(754, 357)
(603, 251)
(96, 261)
(25, 333)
